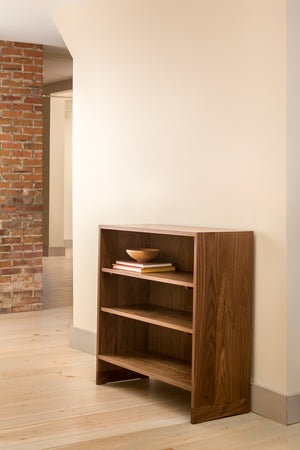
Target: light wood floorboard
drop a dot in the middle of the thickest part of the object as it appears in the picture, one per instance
(49, 399)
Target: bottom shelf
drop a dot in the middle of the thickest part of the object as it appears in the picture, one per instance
(170, 370)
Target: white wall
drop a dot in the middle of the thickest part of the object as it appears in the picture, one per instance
(293, 199)
(56, 173)
(60, 186)
(179, 117)
(68, 231)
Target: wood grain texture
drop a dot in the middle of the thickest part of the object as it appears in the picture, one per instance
(216, 291)
(246, 432)
(157, 315)
(177, 278)
(161, 367)
(223, 313)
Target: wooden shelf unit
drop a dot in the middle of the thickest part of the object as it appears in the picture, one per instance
(190, 328)
(157, 315)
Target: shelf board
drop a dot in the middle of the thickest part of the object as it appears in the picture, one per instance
(178, 278)
(170, 370)
(157, 315)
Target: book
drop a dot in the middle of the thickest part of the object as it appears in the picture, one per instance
(144, 269)
(143, 265)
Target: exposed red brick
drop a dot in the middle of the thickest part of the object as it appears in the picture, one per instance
(5, 137)
(22, 107)
(4, 75)
(11, 240)
(11, 271)
(35, 100)
(9, 208)
(22, 137)
(32, 115)
(33, 69)
(5, 264)
(33, 146)
(26, 123)
(5, 59)
(22, 153)
(4, 105)
(12, 145)
(8, 129)
(12, 83)
(10, 161)
(5, 279)
(32, 162)
(11, 66)
(11, 176)
(33, 54)
(21, 132)
(20, 60)
(8, 113)
(11, 51)
(33, 130)
(37, 138)
(5, 121)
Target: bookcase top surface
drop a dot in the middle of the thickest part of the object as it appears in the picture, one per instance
(166, 229)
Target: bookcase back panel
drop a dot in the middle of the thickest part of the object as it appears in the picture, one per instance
(176, 249)
(120, 291)
(122, 335)
(170, 342)
(117, 291)
(174, 297)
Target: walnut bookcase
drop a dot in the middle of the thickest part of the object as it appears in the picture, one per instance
(190, 328)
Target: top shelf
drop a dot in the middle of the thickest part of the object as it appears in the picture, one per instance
(165, 229)
(178, 278)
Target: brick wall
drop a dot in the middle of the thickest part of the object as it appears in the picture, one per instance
(21, 134)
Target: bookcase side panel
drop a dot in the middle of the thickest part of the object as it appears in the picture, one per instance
(223, 321)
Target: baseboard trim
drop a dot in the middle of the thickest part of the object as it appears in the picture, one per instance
(268, 403)
(83, 340)
(293, 409)
(56, 251)
(281, 408)
(68, 243)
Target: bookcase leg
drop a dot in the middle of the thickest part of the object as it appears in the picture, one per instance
(211, 412)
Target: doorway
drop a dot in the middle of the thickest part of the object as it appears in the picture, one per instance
(57, 165)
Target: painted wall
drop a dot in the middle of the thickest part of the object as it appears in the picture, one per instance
(179, 117)
(60, 186)
(68, 230)
(56, 185)
(293, 191)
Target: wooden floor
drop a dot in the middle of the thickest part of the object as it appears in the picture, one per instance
(49, 399)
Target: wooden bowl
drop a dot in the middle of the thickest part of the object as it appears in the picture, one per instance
(142, 255)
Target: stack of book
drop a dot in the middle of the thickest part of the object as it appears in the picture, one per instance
(147, 267)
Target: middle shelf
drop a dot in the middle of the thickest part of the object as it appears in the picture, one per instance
(155, 314)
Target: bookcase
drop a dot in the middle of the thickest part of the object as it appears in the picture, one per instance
(190, 328)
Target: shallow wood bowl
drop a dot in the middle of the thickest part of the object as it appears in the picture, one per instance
(143, 254)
